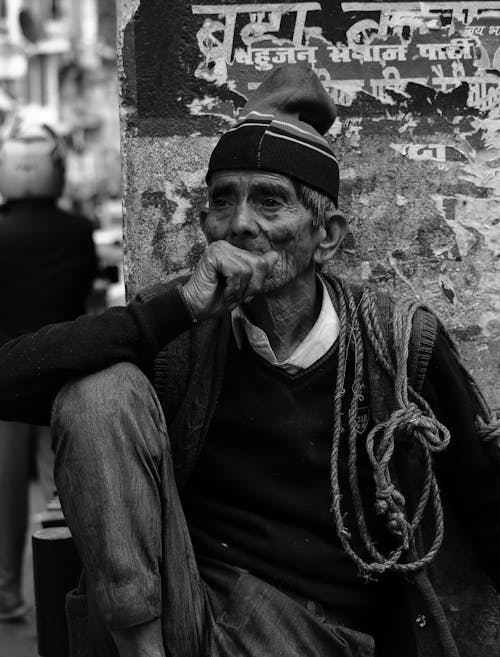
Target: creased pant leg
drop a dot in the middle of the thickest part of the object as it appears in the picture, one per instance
(114, 474)
(186, 613)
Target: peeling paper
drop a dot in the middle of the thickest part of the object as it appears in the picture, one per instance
(179, 216)
(480, 170)
(472, 219)
(352, 132)
(491, 131)
(126, 14)
(482, 215)
(203, 106)
(193, 179)
(432, 152)
(447, 288)
(489, 319)
(483, 177)
(398, 44)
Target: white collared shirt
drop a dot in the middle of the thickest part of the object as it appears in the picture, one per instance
(317, 342)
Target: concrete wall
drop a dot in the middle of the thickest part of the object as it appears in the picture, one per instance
(418, 137)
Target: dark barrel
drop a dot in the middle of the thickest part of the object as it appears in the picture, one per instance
(56, 569)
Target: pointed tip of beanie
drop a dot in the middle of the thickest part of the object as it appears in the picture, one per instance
(281, 129)
(295, 90)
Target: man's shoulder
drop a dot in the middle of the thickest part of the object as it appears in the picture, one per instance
(384, 302)
(396, 321)
(383, 299)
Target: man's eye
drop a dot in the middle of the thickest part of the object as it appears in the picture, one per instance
(219, 202)
(270, 203)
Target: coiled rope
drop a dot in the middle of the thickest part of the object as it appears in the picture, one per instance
(412, 418)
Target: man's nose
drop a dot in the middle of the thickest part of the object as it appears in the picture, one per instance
(244, 221)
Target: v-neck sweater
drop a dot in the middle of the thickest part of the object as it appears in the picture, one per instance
(260, 497)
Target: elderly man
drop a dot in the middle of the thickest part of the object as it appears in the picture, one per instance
(244, 456)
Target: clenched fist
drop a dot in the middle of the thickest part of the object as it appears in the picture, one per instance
(225, 277)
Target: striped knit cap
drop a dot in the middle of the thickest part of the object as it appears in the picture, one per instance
(281, 131)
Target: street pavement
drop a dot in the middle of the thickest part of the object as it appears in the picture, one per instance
(19, 639)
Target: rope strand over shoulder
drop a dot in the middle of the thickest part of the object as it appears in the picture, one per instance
(413, 418)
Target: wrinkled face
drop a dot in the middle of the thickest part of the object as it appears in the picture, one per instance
(260, 212)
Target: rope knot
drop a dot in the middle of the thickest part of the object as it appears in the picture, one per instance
(398, 525)
(414, 422)
(383, 498)
(412, 419)
(390, 502)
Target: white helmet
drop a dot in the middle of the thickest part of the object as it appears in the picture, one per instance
(31, 162)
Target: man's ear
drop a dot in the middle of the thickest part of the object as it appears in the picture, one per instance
(334, 230)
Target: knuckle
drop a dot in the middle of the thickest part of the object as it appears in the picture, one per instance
(210, 253)
(261, 264)
(216, 248)
(246, 269)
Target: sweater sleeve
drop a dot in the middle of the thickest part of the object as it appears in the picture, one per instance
(33, 367)
(467, 474)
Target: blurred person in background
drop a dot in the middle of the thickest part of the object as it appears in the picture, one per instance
(47, 265)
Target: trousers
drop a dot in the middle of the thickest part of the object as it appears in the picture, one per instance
(16, 442)
(115, 477)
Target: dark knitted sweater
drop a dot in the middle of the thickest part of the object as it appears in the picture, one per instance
(260, 496)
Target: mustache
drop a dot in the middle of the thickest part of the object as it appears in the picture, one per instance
(254, 246)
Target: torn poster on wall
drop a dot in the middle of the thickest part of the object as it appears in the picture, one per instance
(417, 85)
(386, 47)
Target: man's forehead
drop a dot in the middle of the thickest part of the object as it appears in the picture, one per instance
(249, 179)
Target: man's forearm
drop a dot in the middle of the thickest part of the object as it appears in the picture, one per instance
(35, 366)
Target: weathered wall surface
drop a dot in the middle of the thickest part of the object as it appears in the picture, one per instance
(418, 138)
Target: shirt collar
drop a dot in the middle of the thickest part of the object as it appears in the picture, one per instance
(317, 342)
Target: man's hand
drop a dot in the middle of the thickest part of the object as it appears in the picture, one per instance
(225, 277)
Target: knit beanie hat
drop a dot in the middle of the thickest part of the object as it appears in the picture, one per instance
(281, 130)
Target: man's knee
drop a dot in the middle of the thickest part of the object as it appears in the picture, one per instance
(86, 406)
(100, 392)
